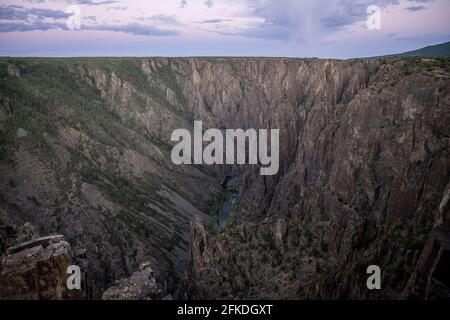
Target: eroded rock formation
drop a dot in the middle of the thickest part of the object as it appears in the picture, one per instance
(36, 269)
(142, 285)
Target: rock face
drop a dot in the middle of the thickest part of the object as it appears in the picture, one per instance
(431, 278)
(364, 167)
(363, 178)
(7, 233)
(95, 163)
(142, 285)
(36, 269)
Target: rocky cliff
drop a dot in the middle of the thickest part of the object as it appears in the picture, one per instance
(36, 269)
(364, 166)
(364, 178)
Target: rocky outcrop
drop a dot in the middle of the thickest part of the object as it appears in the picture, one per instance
(36, 269)
(7, 233)
(142, 285)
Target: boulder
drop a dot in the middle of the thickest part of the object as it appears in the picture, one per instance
(36, 269)
(142, 285)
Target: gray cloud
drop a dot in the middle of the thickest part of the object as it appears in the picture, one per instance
(214, 21)
(30, 19)
(92, 19)
(306, 20)
(415, 8)
(94, 3)
(90, 2)
(13, 12)
(163, 18)
(209, 3)
(118, 8)
(34, 19)
(22, 26)
(83, 2)
(136, 29)
(132, 28)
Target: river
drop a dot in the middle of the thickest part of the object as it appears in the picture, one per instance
(226, 208)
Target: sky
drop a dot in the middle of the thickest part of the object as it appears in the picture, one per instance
(289, 28)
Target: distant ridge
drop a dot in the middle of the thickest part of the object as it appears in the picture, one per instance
(438, 50)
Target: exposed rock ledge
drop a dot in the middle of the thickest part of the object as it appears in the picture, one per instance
(36, 269)
(142, 285)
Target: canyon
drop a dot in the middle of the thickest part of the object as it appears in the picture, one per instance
(363, 179)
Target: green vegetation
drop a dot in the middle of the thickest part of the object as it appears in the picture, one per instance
(230, 224)
(168, 76)
(214, 205)
(419, 64)
(44, 95)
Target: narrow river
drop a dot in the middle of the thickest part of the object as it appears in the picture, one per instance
(226, 208)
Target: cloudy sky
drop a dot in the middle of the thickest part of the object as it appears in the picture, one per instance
(299, 28)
